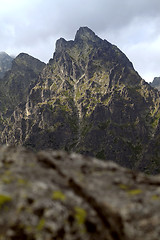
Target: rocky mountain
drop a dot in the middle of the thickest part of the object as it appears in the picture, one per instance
(156, 83)
(89, 99)
(55, 195)
(16, 84)
(5, 63)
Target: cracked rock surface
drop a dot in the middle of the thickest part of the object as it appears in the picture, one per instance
(55, 195)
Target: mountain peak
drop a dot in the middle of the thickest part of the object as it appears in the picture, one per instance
(5, 63)
(85, 33)
(3, 53)
(61, 44)
(24, 58)
(156, 83)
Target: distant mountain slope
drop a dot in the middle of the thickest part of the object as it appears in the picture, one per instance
(5, 63)
(89, 99)
(14, 86)
(156, 83)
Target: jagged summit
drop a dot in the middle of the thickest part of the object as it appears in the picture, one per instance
(90, 50)
(85, 33)
(61, 45)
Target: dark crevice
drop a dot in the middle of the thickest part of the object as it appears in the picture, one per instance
(48, 163)
(111, 220)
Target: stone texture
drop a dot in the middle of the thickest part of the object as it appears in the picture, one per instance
(56, 195)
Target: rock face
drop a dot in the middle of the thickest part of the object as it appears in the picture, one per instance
(156, 83)
(55, 195)
(5, 63)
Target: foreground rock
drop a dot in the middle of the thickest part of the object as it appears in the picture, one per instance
(54, 195)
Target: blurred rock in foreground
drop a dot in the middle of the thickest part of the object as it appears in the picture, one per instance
(56, 195)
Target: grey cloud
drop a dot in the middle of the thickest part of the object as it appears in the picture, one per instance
(35, 26)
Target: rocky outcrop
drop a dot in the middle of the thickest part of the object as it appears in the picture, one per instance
(56, 195)
(5, 63)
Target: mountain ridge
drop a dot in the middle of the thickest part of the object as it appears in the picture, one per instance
(89, 99)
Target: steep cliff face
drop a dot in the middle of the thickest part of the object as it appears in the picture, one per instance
(88, 99)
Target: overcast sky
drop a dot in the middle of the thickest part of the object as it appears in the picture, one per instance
(33, 26)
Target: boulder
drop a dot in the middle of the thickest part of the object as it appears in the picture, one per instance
(57, 195)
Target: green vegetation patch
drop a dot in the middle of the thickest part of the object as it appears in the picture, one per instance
(7, 177)
(58, 195)
(155, 120)
(134, 192)
(4, 199)
(80, 215)
(41, 224)
(129, 190)
(123, 186)
(155, 197)
(22, 181)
